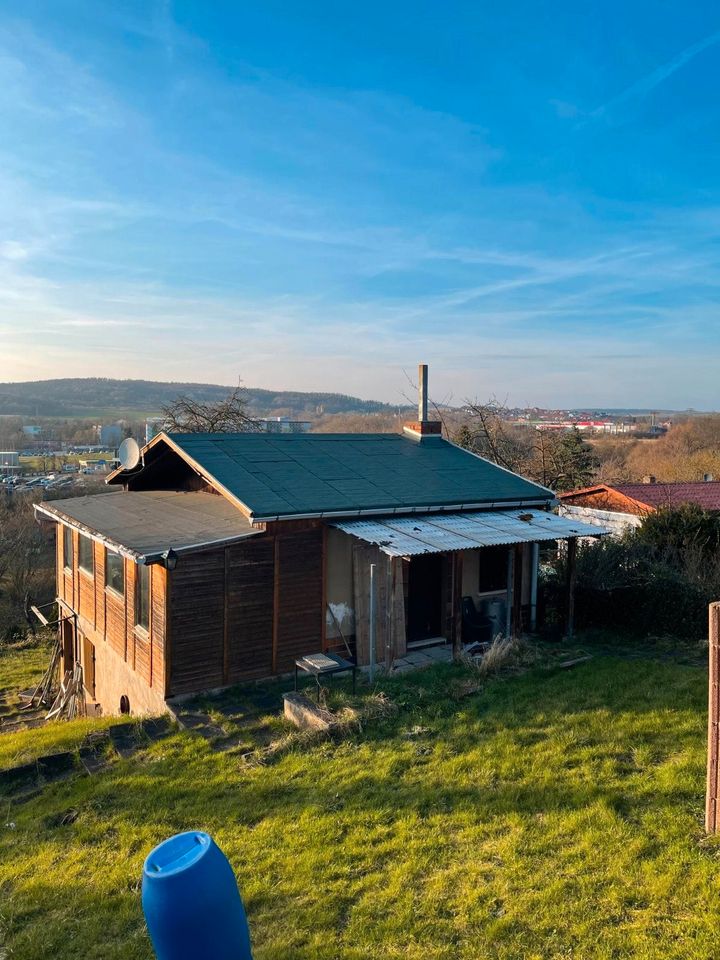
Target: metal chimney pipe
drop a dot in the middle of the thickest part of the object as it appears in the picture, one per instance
(422, 393)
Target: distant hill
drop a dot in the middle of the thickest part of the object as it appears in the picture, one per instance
(100, 397)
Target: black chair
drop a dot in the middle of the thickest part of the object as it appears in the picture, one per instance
(475, 627)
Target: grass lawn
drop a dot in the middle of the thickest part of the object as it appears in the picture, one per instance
(35, 464)
(553, 814)
(21, 667)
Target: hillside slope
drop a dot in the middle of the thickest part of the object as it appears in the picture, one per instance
(96, 396)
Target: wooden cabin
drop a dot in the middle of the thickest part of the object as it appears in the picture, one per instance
(222, 558)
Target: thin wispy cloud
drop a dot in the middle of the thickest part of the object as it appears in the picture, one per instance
(643, 87)
(185, 206)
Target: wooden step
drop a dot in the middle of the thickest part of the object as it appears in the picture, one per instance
(29, 723)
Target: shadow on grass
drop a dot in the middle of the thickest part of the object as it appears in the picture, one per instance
(531, 744)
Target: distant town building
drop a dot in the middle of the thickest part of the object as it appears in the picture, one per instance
(110, 435)
(284, 425)
(32, 431)
(9, 462)
(584, 426)
(99, 465)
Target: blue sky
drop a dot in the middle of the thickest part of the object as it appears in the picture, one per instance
(319, 195)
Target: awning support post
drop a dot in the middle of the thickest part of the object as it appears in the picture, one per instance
(372, 623)
(509, 598)
(457, 575)
(571, 577)
(519, 566)
(712, 793)
(534, 563)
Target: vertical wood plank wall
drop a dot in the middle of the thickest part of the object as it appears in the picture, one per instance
(712, 796)
(235, 613)
(197, 611)
(300, 586)
(246, 611)
(250, 610)
(390, 596)
(108, 618)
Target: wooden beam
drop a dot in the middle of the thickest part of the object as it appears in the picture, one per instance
(226, 617)
(41, 617)
(518, 567)
(323, 625)
(510, 582)
(168, 634)
(457, 577)
(713, 784)
(390, 601)
(151, 623)
(276, 602)
(571, 577)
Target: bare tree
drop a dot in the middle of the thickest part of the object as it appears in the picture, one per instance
(486, 431)
(26, 561)
(187, 415)
(559, 460)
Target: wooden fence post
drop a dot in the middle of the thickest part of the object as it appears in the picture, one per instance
(711, 796)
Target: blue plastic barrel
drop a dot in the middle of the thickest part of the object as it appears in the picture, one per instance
(192, 903)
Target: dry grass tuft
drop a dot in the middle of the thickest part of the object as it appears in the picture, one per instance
(503, 652)
(378, 705)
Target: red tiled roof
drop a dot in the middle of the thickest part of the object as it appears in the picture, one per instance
(705, 494)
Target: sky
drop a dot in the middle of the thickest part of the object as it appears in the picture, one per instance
(320, 195)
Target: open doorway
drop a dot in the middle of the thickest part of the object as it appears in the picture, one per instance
(425, 599)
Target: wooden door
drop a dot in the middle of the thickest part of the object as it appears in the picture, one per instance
(68, 639)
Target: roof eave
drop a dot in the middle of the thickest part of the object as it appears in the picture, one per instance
(145, 557)
(393, 511)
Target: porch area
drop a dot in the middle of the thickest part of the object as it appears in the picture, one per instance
(410, 590)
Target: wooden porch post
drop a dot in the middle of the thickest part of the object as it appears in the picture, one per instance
(713, 784)
(390, 611)
(571, 576)
(276, 601)
(226, 617)
(457, 577)
(518, 567)
(167, 582)
(323, 624)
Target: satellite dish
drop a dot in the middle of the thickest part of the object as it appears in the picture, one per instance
(129, 454)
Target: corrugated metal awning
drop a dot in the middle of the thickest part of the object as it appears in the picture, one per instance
(438, 533)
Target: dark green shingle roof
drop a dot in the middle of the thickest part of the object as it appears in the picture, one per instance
(310, 474)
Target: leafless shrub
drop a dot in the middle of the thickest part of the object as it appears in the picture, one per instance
(187, 415)
(559, 460)
(26, 563)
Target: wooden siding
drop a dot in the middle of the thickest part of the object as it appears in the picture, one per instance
(158, 640)
(197, 630)
(100, 588)
(391, 596)
(224, 615)
(245, 611)
(115, 626)
(249, 576)
(107, 617)
(712, 792)
(300, 588)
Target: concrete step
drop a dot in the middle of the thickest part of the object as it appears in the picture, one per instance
(27, 778)
(25, 724)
